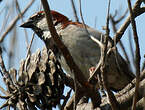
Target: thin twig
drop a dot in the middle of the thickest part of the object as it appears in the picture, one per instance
(137, 11)
(13, 22)
(8, 107)
(5, 104)
(131, 47)
(82, 17)
(3, 91)
(29, 47)
(104, 50)
(66, 99)
(143, 66)
(114, 23)
(137, 54)
(2, 10)
(121, 18)
(94, 39)
(69, 105)
(7, 15)
(4, 97)
(19, 10)
(112, 99)
(74, 10)
(97, 41)
(124, 51)
(12, 47)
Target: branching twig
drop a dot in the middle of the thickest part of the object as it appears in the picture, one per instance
(137, 55)
(114, 23)
(136, 11)
(122, 17)
(125, 99)
(13, 22)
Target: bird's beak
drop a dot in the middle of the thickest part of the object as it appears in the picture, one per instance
(27, 24)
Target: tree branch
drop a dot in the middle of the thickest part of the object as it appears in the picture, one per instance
(136, 11)
(13, 22)
(112, 99)
(73, 67)
(137, 55)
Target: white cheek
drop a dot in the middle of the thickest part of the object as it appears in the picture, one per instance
(46, 35)
(42, 24)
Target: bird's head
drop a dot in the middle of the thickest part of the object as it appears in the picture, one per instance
(38, 23)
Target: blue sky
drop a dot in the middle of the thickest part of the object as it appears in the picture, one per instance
(94, 12)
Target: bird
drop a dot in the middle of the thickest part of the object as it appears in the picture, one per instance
(84, 51)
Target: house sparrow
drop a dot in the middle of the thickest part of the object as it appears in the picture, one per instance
(85, 52)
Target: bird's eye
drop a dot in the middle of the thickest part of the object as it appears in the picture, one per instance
(38, 15)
